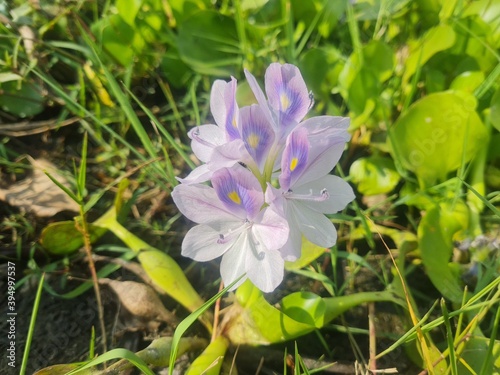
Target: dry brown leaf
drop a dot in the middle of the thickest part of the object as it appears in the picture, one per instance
(38, 194)
(140, 300)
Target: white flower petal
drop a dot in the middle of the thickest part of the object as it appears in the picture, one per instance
(315, 226)
(201, 244)
(292, 249)
(199, 203)
(204, 139)
(199, 174)
(233, 263)
(265, 268)
(339, 193)
(271, 229)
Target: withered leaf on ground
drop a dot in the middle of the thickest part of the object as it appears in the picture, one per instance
(38, 193)
(140, 300)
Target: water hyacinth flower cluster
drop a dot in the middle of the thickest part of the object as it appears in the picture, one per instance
(269, 179)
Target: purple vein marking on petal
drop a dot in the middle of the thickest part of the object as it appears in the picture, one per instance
(287, 93)
(261, 99)
(232, 116)
(257, 133)
(294, 158)
(224, 107)
(239, 190)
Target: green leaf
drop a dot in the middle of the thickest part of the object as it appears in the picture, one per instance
(467, 81)
(374, 175)
(305, 307)
(118, 38)
(495, 110)
(255, 322)
(438, 122)
(21, 99)
(208, 43)
(128, 9)
(435, 233)
(210, 361)
(437, 39)
(364, 72)
(320, 68)
(62, 238)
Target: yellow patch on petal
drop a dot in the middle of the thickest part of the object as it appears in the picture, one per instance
(293, 164)
(234, 123)
(285, 102)
(253, 140)
(234, 197)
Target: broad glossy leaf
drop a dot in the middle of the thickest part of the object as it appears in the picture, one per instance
(436, 134)
(372, 9)
(256, 322)
(476, 353)
(361, 78)
(489, 11)
(467, 81)
(176, 71)
(321, 68)
(118, 38)
(436, 39)
(22, 99)
(183, 9)
(374, 175)
(208, 43)
(62, 238)
(304, 307)
(128, 9)
(435, 233)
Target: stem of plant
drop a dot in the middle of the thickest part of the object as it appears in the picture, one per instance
(83, 229)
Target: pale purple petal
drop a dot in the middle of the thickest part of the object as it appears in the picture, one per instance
(233, 263)
(292, 249)
(257, 133)
(224, 108)
(204, 139)
(202, 243)
(199, 203)
(315, 226)
(270, 229)
(327, 137)
(328, 194)
(229, 154)
(261, 99)
(274, 198)
(295, 158)
(287, 93)
(198, 175)
(265, 268)
(239, 190)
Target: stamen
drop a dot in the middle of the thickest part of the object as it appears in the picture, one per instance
(323, 196)
(226, 237)
(311, 100)
(195, 134)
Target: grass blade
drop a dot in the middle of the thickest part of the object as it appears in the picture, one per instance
(31, 328)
